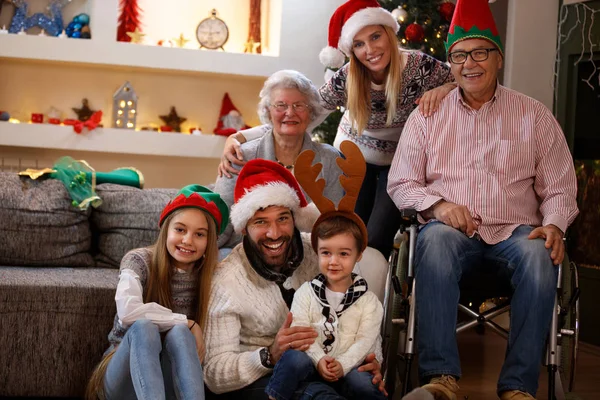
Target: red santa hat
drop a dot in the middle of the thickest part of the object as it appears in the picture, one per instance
(264, 183)
(346, 22)
(226, 107)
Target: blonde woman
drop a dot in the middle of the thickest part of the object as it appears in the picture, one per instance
(379, 87)
(156, 344)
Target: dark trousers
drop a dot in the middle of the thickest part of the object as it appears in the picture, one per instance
(256, 391)
(295, 368)
(377, 210)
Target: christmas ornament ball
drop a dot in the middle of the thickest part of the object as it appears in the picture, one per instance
(4, 116)
(447, 10)
(82, 19)
(400, 14)
(414, 33)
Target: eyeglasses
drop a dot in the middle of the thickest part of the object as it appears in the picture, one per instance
(477, 55)
(283, 107)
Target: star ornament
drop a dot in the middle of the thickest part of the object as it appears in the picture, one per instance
(85, 112)
(136, 36)
(251, 47)
(173, 120)
(181, 41)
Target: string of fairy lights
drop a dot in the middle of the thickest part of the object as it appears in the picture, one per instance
(584, 26)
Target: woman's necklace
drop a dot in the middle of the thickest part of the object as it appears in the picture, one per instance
(283, 165)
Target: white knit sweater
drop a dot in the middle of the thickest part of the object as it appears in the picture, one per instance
(245, 313)
(356, 329)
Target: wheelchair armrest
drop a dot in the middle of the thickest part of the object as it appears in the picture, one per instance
(408, 216)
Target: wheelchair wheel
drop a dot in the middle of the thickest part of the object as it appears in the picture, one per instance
(394, 332)
(569, 325)
(391, 332)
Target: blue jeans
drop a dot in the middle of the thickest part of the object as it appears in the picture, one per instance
(144, 367)
(295, 367)
(443, 256)
(377, 210)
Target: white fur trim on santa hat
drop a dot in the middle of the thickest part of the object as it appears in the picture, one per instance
(360, 19)
(331, 57)
(272, 194)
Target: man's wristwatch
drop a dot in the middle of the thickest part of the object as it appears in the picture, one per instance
(265, 358)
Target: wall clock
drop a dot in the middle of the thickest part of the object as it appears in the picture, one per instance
(212, 32)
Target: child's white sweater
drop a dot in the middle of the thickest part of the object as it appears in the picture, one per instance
(356, 329)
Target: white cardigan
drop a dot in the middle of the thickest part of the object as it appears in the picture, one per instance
(357, 328)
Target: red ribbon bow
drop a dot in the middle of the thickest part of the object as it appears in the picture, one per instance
(90, 124)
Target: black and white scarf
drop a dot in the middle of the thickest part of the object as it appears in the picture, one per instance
(355, 291)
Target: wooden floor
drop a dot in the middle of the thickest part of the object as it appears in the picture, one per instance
(481, 360)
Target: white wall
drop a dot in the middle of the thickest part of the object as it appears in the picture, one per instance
(530, 47)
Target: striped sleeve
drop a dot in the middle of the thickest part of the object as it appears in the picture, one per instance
(407, 178)
(555, 181)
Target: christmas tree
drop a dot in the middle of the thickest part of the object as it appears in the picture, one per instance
(424, 24)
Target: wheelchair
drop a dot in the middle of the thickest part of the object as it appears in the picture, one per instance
(398, 328)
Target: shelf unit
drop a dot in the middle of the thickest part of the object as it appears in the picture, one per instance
(293, 46)
(38, 72)
(110, 140)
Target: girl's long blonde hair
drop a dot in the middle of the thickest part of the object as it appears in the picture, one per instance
(359, 86)
(159, 289)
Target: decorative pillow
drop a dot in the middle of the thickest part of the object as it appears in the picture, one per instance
(127, 219)
(39, 226)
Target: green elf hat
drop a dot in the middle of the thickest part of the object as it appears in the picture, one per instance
(197, 196)
(473, 20)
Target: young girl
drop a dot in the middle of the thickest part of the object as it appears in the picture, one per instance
(379, 88)
(156, 344)
(346, 316)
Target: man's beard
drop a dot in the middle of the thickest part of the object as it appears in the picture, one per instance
(275, 263)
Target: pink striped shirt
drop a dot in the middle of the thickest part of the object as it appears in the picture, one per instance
(507, 162)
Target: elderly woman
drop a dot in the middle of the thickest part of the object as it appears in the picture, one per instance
(289, 104)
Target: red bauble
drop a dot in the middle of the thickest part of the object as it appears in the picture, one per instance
(414, 33)
(447, 10)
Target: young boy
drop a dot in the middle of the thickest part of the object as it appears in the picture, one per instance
(338, 305)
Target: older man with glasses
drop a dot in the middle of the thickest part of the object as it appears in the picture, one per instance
(493, 181)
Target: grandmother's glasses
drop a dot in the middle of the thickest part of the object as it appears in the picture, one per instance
(283, 107)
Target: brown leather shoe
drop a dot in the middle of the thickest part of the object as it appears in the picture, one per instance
(515, 395)
(443, 387)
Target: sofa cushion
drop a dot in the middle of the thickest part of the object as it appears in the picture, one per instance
(39, 226)
(55, 324)
(127, 219)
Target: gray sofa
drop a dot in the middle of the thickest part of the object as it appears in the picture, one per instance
(58, 275)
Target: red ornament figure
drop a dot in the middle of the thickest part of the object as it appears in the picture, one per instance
(414, 33)
(129, 19)
(447, 10)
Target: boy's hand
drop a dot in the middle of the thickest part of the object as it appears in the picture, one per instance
(336, 368)
(324, 371)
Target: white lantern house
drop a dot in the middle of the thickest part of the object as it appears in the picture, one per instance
(125, 107)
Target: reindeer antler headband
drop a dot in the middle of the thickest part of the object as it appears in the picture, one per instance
(353, 167)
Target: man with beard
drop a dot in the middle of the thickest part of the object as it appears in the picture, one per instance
(248, 326)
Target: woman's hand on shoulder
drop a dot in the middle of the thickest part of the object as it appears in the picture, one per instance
(232, 154)
(431, 99)
(197, 332)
